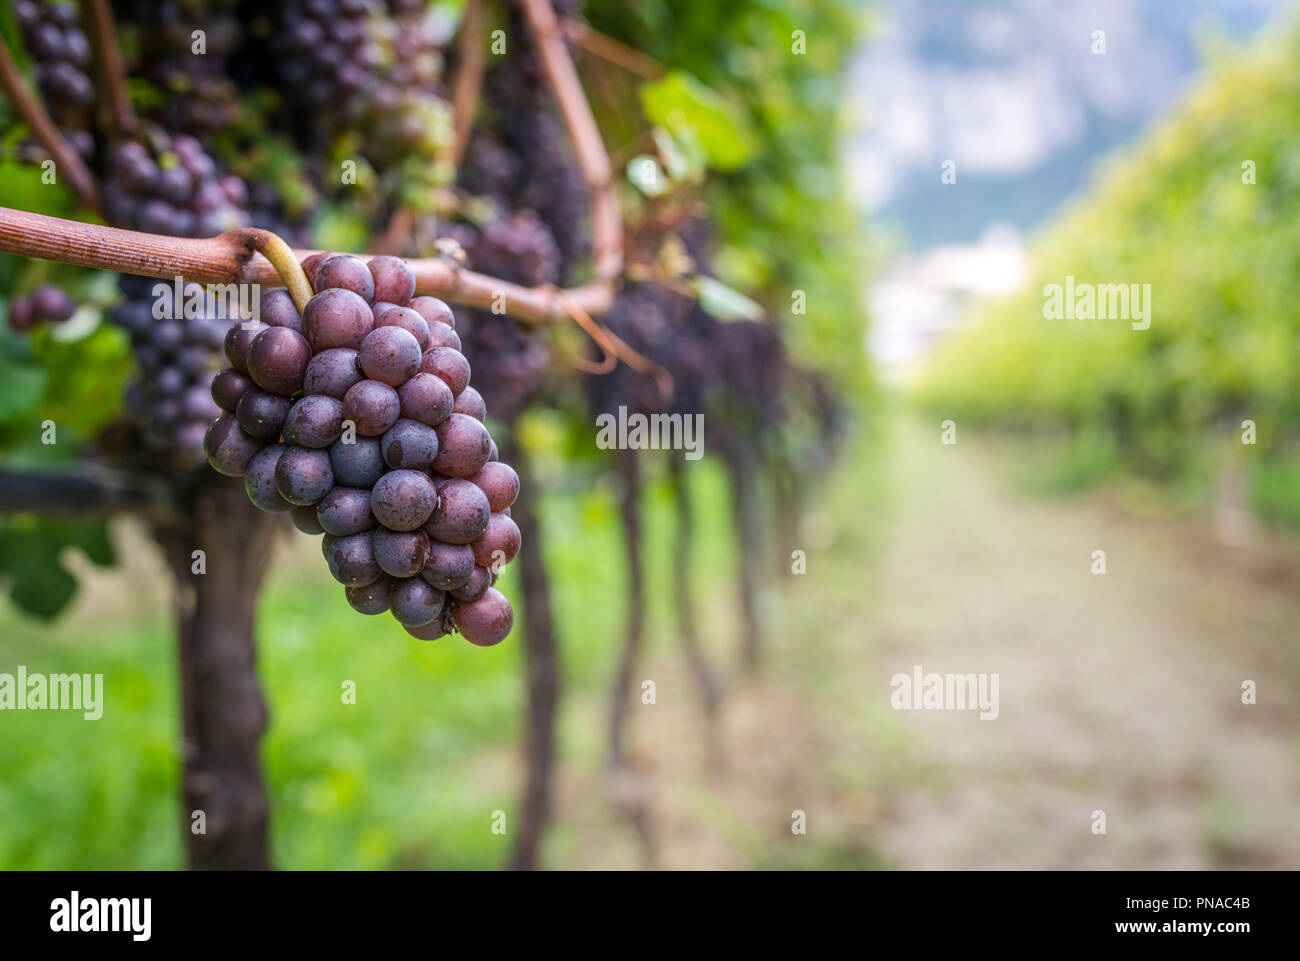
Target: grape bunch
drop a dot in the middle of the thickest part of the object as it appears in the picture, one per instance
(60, 57)
(356, 417)
(176, 358)
(46, 304)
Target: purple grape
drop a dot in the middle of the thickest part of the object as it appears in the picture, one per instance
(470, 403)
(485, 621)
(414, 603)
(332, 372)
(277, 360)
(277, 309)
(426, 398)
(480, 579)
(499, 544)
(370, 598)
(408, 320)
(358, 464)
(347, 273)
(303, 475)
(337, 318)
(462, 513)
(463, 446)
(344, 511)
(448, 364)
(449, 565)
(238, 339)
(394, 281)
(304, 518)
(390, 354)
(351, 560)
(408, 443)
(440, 335)
(261, 414)
(428, 632)
(500, 483)
(403, 500)
(314, 421)
(259, 481)
(228, 448)
(434, 311)
(372, 406)
(400, 553)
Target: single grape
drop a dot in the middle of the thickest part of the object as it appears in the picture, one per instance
(390, 354)
(332, 372)
(500, 483)
(347, 273)
(277, 360)
(314, 421)
(238, 339)
(304, 518)
(277, 310)
(351, 560)
(462, 513)
(463, 446)
(414, 603)
(358, 464)
(434, 311)
(428, 632)
(449, 566)
(311, 262)
(486, 621)
(261, 414)
(403, 500)
(336, 318)
(426, 398)
(400, 553)
(393, 279)
(470, 403)
(408, 320)
(480, 579)
(440, 335)
(303, 475)
(228, 448)
(344, 511)
(408, 443)
(370, 598)
(373, 406)
(499, 544)
(259, 481)
(448, 364)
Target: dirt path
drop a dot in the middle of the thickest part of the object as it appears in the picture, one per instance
(1118, 692)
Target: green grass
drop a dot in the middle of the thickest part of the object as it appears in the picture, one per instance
(409, 776)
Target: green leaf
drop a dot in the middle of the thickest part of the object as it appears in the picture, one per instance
(31, 559)
(683, 106)
(21, 386)
(725, 303)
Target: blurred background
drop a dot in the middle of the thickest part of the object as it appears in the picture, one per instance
(840, 255)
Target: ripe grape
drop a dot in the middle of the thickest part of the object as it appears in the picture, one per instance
(311, 263)
(470, 403)
(414, 603)
(500, 483)
(410, 444)
(426, 398)
(402, 500)
(449, 566)
(304, 518)
(393, 279)
(440, 335)
(370, 598)
(400, 553)
(314, 421)
(277, 310)
(408, 320)
(332, 372)
(485, 621)
(346, 273)
(462, 514)
(351, 560)
(261, 414)
(259, 481)
(390, 354)
(480, 579)
(498, 544)
(358, 464)
(337, 318)
(303, 476)
(373, 406)
(228, 448)
(428, 632)
(238, 339)
(277, 360)
(448, 364)
(344, 511)
(434, 311)
(463, 446)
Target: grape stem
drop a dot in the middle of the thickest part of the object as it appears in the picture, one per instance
(286, 265)
(97, 19)
(469, 76)
(233, 257)
(611, 50)
(33, 113)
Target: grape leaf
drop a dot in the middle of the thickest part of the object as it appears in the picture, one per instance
(683, 105)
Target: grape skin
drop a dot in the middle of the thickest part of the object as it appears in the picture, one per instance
(403, 500)
(414, 603)
(259, 481)
(449, 566)
(228, 448)
(462, 514)
(500, 483)
(370, 598)
(409, 444)
(345, 273)
(277, 360)
(344, 511)
(262, 414)
(479, 581)
(470, 403)
(502, 535)
(337, 318)
(485, 621)
(373, 406)
(448, 364)
(400, 553)
(359, 464)
(352, 560)
(303, 476)
(426, 398)
(408, 320)
(332, 372)
(464, 446)
(393, 280)
(314, 421)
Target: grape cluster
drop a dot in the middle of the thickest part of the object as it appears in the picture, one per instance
(174, 188)
(60, 56)
(47, 304)
(176, 358)
(356, 417)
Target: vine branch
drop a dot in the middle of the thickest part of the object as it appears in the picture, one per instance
(469, 76)
(98, 21)
(84, 491)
